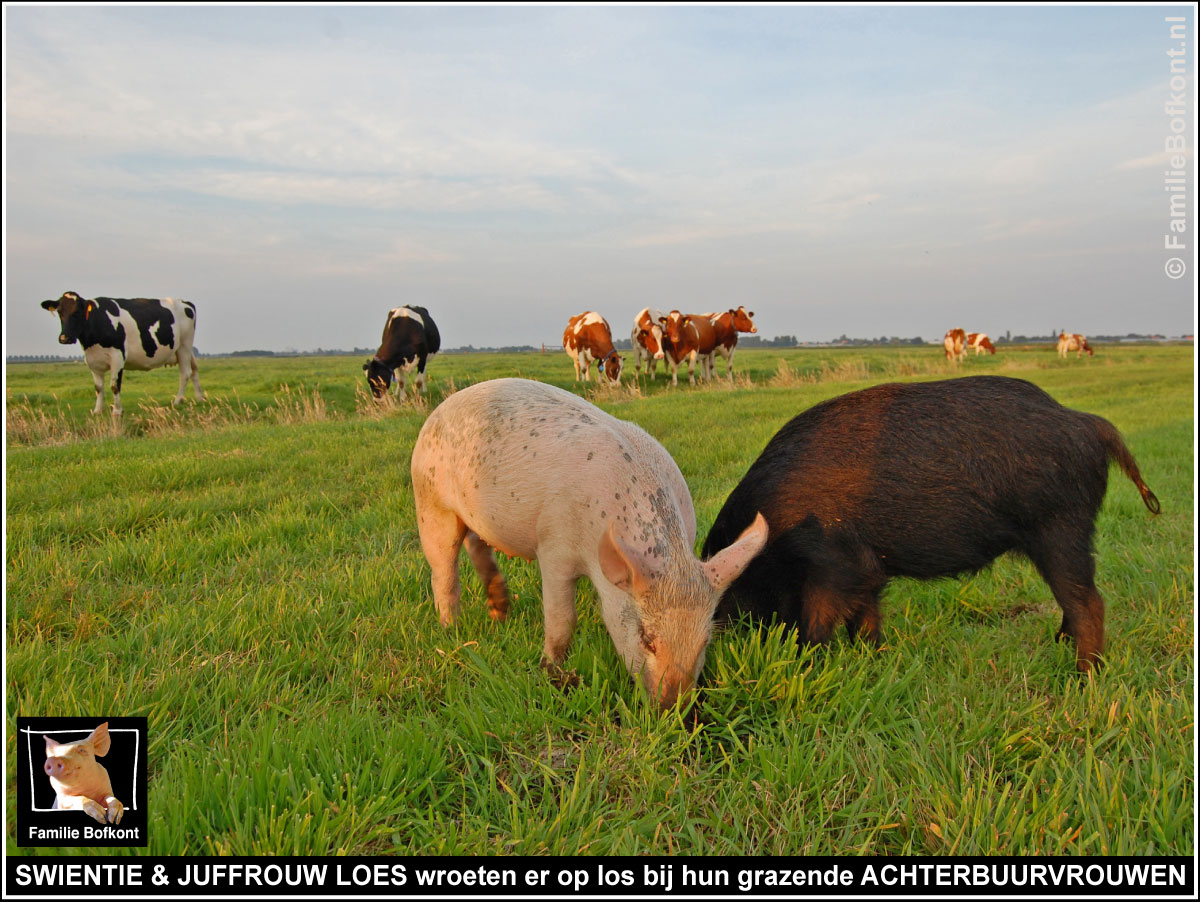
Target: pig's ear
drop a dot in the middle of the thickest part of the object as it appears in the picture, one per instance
(620, 564)
(100, 740)
(728, 564)
(50, 744)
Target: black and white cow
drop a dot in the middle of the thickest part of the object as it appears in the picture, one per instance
(409, 337)
(138, 333)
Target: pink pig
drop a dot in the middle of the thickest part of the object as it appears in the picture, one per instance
(79, 779)
(537, 472)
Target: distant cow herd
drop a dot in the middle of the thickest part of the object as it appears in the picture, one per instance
(145, 333)
(918, 480)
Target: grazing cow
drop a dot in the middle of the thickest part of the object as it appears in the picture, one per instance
(955, 344)
(410, 336)
(980, 342)
(1073, 342)
(687, 337)
(924, 480)
(726, 327)
(133, 333)
(537, 472)
(647, 339)
(587, 338)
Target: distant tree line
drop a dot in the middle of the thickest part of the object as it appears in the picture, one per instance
(624, 344)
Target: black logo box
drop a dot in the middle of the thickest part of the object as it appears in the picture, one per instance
(126, 766)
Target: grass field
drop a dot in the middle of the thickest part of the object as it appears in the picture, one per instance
(246, 573)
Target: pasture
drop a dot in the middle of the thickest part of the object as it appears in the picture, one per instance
(246, 573)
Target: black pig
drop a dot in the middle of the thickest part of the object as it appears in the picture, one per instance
(924, 480)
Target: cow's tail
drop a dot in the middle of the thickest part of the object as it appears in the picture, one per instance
(1119, 451)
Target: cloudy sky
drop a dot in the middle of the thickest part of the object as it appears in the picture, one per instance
(872, 171)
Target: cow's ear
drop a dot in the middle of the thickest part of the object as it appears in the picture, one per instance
(100, 740)
(366, 366)
(52, 306)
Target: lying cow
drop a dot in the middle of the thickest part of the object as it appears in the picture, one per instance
(409, 338)
(647, 341)
(924, 480)
(537, 472)
(955, 344)
(133, 333)
(979, 342)
(726, 327)
(688, 337)
(588, 339)
(1073, 342)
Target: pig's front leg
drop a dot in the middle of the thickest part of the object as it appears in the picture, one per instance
(116, 810)
(93, 809)
(558, 612)
(442, 533)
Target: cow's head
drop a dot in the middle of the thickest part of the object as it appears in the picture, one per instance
(73, 312)
(651, 339)
(672, 326)
(379, 376)
(743, 321)
(613, 364)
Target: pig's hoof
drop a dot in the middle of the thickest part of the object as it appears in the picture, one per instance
(562, 679)
(95, 811)
(116, 811)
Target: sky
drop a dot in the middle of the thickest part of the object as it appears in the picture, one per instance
(296, 172)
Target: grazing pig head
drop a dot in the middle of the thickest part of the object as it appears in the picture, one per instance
(664, 630)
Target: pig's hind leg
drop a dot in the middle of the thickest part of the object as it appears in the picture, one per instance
(484, 559)
(1063, 556)
(442, 533)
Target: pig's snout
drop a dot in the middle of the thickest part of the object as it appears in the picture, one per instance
(669, 687)
(54, 767)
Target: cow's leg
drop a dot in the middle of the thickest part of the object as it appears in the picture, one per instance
(729, 363)
(400, 381)
(442, 533)
(575, 360)
(484, 560)
(421, 384)
(184, 360)
(98, 379)
(116, 366)
(116, 391)
(691, 359)
(196, 376)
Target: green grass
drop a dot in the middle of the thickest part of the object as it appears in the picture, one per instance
(246, 573)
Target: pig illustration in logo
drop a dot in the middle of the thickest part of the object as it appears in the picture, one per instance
(79, 780)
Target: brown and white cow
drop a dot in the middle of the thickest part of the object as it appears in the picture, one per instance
(726, 327)
(955, 344)
(980, 342)
(688, 337)
(647, 339)
(409, 338)
(588, 338)
(1073, 342)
